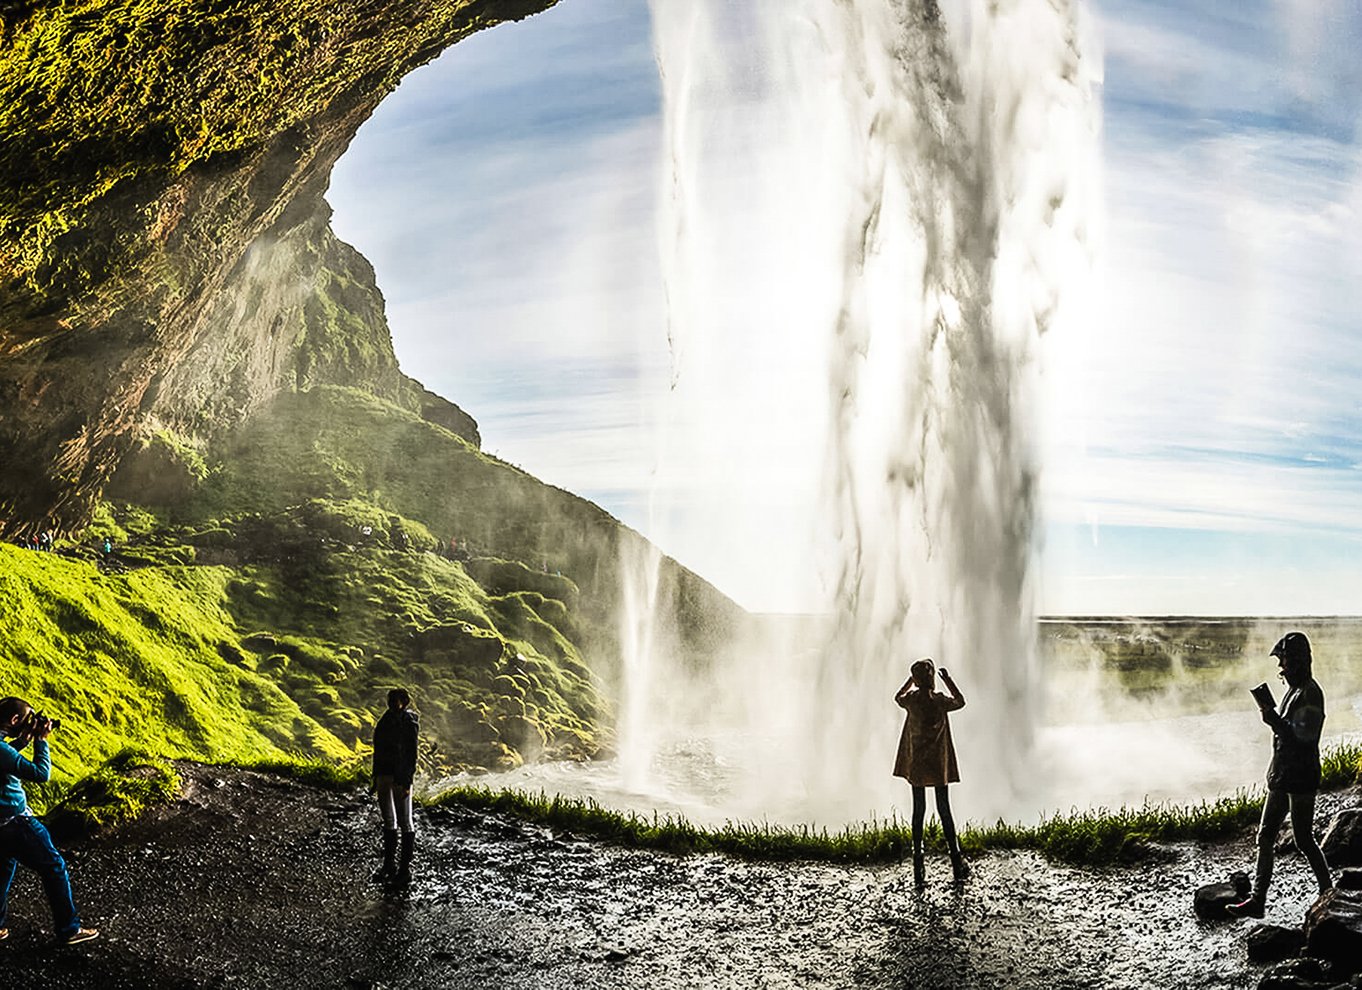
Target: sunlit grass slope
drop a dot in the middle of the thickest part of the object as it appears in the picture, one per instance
(148, 660)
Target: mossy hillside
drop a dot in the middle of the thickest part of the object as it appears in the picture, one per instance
(495, 678)
(344, 444)
(336, 617)
(324, 503)
(147, 659)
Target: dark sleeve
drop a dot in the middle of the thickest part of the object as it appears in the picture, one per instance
(1305, 717)
(951, 702)
(380, 742)
(410, 731)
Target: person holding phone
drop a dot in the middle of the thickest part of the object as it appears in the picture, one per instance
(1294, 774)
(926, 757)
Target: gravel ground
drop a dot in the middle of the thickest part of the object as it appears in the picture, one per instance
(254, 881)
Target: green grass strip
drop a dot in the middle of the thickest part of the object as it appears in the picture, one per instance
(315, 770)
(1087, 838)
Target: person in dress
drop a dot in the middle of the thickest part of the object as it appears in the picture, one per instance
(926, 757)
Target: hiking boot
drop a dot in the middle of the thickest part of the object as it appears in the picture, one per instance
(389, 867)
(1251, 908)
(80, 935)
(959, 867)
(404, 861)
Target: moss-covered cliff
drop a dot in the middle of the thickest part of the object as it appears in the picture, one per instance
(162, 165)
(193, 365)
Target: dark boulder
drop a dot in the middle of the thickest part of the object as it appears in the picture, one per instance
(1349, 879)
(1209, 902)
(1342, 842)
(1273, 943)
(1300, 974)
(1333, 929)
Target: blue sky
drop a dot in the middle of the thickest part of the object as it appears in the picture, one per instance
(1203, 437)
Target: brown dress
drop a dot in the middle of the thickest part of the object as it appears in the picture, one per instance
(926, 755)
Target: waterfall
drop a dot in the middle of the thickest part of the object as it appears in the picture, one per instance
(914, 195)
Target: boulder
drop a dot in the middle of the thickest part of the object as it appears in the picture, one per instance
(1209, 902)
(1333, 929)
(1342, 842)
(1273, 943)
(1349, 879)
(1299, 974)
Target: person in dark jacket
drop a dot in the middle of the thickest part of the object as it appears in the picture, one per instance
(1294, 774)
(395, 738)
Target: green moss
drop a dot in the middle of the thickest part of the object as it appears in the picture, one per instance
(102, 100)
(119, 791)
(138, 660)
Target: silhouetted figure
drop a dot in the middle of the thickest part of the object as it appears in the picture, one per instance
(926, 757)
(1293, 776)
(395, 739)
(24, 839)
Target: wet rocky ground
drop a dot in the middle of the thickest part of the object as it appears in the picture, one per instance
(256, 881)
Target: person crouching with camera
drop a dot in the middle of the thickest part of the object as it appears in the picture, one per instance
(24, 839)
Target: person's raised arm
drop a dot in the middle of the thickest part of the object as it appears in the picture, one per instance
(37, 770)
(956, 701)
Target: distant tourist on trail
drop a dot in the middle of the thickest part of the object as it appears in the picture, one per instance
(926, 757)
(24, 839)
(395, 740)
(1294, 774)
(108, 546)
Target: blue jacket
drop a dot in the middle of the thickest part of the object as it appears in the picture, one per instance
(15, 768)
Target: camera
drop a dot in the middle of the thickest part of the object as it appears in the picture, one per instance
(36, 723)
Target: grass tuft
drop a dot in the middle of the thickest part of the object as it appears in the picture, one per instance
(121, 790)
(312, 770)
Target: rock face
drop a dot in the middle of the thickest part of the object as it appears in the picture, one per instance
(1333, 929)
(1209, 902)
(165, 254)
(1273, 943)
(1342, 842)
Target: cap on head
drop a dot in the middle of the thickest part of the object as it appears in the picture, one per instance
(1294, 647)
